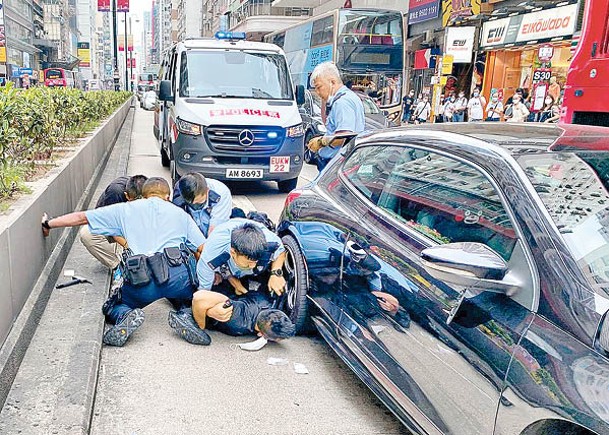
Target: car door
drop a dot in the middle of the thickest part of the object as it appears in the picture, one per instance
(445, 347)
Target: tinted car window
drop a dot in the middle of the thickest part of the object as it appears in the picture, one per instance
(368, 169)
(447, 201)
(574, 187)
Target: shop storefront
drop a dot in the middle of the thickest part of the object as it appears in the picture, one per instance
(528, 49)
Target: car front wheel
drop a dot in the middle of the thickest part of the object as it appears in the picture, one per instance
(297, 279)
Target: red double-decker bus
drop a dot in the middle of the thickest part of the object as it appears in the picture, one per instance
(585, 99)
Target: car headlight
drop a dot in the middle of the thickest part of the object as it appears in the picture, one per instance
(188, 127)
(295, 131)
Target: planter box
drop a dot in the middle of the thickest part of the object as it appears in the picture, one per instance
(24, 252)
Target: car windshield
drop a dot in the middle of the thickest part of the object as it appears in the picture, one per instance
(234, 74)
(574, 187)
(370, 107)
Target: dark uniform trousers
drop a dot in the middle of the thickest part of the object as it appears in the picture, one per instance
(178, 289)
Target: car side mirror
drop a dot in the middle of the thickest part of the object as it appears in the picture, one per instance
(165, 91)
(300, 95)
(469, 264)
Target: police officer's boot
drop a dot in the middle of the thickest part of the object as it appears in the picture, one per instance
(183, 323)
(117, 335)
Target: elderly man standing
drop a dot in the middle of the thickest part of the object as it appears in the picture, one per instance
(157, 265)
(344, 111)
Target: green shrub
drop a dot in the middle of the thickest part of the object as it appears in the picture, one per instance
(33, 122)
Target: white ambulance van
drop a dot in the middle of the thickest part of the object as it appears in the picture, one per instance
(228, 110)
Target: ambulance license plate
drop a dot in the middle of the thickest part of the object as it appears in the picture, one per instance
(244, 173)
(280, 164)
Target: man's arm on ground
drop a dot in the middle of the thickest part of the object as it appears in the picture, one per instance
(203, 301)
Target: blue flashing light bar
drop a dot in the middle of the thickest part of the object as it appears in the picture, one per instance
(230, 35)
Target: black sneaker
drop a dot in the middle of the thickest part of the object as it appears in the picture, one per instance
(117, 335)
(184, 324)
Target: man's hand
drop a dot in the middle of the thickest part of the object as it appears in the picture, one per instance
(217, 278)
(237, 286)
(387, 301)
(219, 313)
(277, 284)
(45, 230)
(316, 143)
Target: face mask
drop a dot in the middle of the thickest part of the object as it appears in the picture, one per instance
(452, 99)
(461, 95)
(234, 266)
(548, 101)
(476, 94)
(494, 99)
(253, 345)
(516, 101)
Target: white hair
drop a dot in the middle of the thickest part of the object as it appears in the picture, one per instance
(325, 69)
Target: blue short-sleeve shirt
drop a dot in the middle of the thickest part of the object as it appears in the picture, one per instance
(220, 212)
(148, 225)
(218, 244)
(346, 114)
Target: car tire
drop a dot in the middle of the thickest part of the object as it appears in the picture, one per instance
(297, 282)
(287, 186)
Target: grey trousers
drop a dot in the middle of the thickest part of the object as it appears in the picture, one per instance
(107, 253)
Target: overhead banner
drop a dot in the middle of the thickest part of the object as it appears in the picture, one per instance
(122, 5)
(535, 26)
(83, 52)
(103, 5)
(423, 10)
(451, 10)
(121, 43)
(459, 41)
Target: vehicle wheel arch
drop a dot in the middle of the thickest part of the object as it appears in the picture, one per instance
(556, 427)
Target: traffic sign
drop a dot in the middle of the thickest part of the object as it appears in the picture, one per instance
(27, 71)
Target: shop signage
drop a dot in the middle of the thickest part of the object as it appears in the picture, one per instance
(447, 64)
(459, 41)
(545, 53)
(452, 10)
(542, 25)
(83, 52)
(423, 10)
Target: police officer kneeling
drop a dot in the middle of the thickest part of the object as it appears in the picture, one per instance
(207, 201)
(237, 249)
(156, 266)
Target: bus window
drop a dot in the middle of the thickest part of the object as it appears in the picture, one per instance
(278, 39)
(369, 28)
(322, 32)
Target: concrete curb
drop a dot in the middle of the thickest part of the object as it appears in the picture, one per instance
(43, 374)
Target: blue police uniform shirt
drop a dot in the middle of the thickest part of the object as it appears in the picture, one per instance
(220, 212)
(148, 225)
(218, 243)
(346, 114)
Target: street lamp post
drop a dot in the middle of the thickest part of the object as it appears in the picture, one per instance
(126, 56)
(116, 76)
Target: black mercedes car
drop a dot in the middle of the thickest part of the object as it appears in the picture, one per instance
(462, 272)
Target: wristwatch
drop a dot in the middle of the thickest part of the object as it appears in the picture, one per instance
(277, 272)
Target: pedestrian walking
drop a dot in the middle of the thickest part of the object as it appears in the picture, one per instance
(422, 111)
(460, 108)
(344, 111)
(475, 107)
(158, 264)
(407, 105)
(494, 109)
